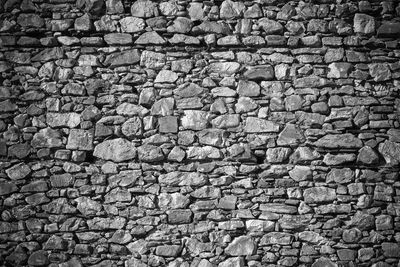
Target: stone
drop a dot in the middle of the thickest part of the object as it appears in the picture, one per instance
(30, 20)
(276, 238)
(368, 156)
(270, 26)
(324, 262)
(129, 109)
(380, 72)
(391, 250)
(389, 29)
(118, 39)
(47, 138)
(127, 57)
(255, 125)
(232, 262)
(248, 88)
(319, 194)
(143, 9)
(261, 72)
(38, 258)
(179, 216)
(150, 153)
(168, 124)
(213, 137)
(132, 24)
(291, 135)
(163, 107)
(150, 38)
(152, 60)
(241, 246)
(339, 141)
(231, 9)
(177, 178)
(117, 150)
(212, 27)
(18, 171)
(168, 250)
(245, 104)
(224, 68)
(310, 81)
(341, 176)
(364, 24)
(339, 70)
(166, 76)
(195, 120)
(7, 188)
(390, 152)
(278, 154)
(300, 173)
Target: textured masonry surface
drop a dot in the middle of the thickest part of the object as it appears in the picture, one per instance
(199, 134)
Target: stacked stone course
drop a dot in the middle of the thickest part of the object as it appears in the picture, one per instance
(199, 133)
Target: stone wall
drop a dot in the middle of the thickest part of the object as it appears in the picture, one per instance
(215, 133)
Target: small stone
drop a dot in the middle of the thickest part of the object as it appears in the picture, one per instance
(380, 72)
(18, 171)
(127, 57)
(278, 154)
(163, 107)
(70, 120)
(30, 20)
(118, 39)
(132, 24)
(7, 188)
(168, 250)
(150, 38)
(339, 141)
(248, 88)
(391, 250)
(150, 153)
(231, 9)
(389, 29)
(270, 26)
(38, 258)
(261, 72)
(194, 120)
(341, 176)
(390, 152)
(301, 173)
(143, 9)
(364, 23)
(319, 194)
(291, 135)
(224, 68)
(152, 60)
(324, 262)
(179, 216)
(255, 125)
(241, 246)
(367, 156)
(339, 70)
(116, 150)
(47, 138)
(166, 76)
(133, 127)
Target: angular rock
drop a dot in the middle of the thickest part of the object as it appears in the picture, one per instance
(195, 119)
(166, 76)
(339, 141)
(117, 150)
(177, 178)
(152, 60)
(18, 171)
(143, 9)
(132, 24)
(364, 23)
(241, 246)
(291, 135)
(319, 194)
(148, 38)
(150, 153)
(224, 68)
(7, 188)
(118, 39)
(255, 125)
(127, 57)
(47, 138)
(261, 72)
(390, 152)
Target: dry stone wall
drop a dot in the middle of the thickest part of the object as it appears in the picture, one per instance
(189, 133)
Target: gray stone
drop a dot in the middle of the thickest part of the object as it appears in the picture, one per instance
(224, 68)
(116, 150)
(168, 250)
(80, 140)
(18, 171)
(177, 178)
(7, 188)
(319, 194)
(339, 141)
(389, 29)
(241, 246)
(152, 60)
(150, 153)
(291, 135)
(261, 72)
(341, 176)
(47, 138)
(368, 156)
(127, 57)
(380, 72)
(150, 38)
(133, 127)
(364, 23)
(390, 152)
(256, 125)
(166, 76)
(132, 24)
(118, 39)
(143, 9)
(195, 119)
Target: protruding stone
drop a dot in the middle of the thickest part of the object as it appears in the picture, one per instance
(255, 125)
(241, 246)
(319, 194)
(339, 141)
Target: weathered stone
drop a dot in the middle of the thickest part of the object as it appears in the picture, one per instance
(389, 29)
(390, 152)
(319, 194)
(380, 72)
(341, 176)
(261, 72)
(150, 153)
(132, 24)
(183, 178)
(116, 150)
(241, 246)
(152, 60)
(224, 68)
(7, 188)
(364, 23)
(300, 173)
(47, 138)
(339, 70)
(127, 57)
(166, 76)
(339, 141)
(255, 125)
(143, 9)
(195, 120)
(150, 38)
(367, 156)
(18, 171)
(179, 216)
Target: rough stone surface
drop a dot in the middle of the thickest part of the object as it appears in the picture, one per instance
(199, 133)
